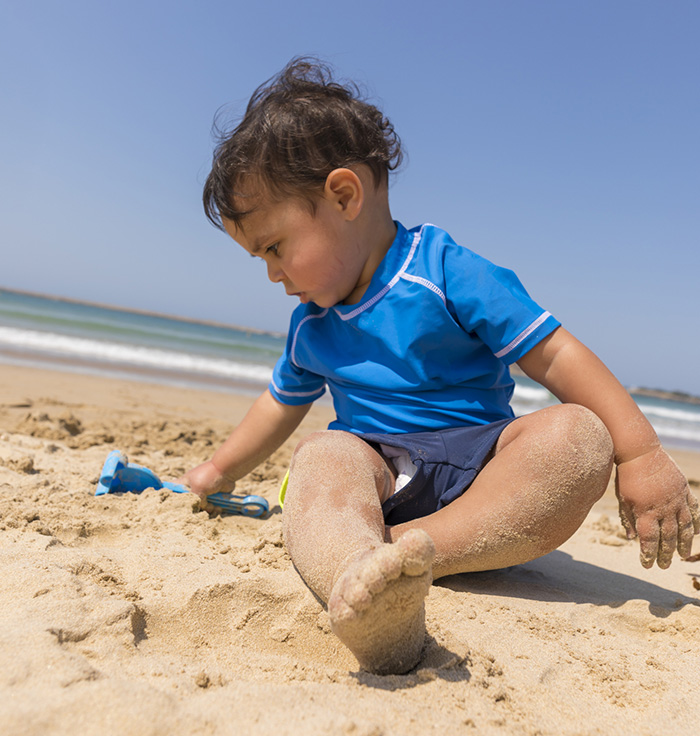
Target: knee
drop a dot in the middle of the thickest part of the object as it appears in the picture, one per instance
(586, 445)
(328, 446)
(337, 454)
(584, 429)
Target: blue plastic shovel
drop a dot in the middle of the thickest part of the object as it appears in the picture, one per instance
(120, 476)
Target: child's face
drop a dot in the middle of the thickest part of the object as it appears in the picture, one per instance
(316, 257)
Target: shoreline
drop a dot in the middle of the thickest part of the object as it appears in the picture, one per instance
(23, 386)
(27, 387)
(127, 372)
(193, 380)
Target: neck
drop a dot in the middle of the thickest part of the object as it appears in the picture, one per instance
(381, 232)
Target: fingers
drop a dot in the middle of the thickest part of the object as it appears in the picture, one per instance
(203, 502)
(649, 531)
(659, 539)
(205, 505)
(685, 538)
(667, 543)
(688, 526)
(627, 519)
(694, 508)
(201, 497)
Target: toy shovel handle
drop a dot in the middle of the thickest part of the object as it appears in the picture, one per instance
(175, 487)
(245, 505)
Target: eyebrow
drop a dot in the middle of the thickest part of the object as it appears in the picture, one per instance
(258, 245)
(263, 239)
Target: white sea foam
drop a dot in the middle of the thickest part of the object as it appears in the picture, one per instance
(134, 355)
(677, 433)
(679, 415)
(533, 394)
(671, 421)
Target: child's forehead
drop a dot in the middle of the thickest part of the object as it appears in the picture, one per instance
(249, 196)
(243, 233)
(263, 204)
(255, 198)
(265, 217)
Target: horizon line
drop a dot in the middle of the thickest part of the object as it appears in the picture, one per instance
(143, 312)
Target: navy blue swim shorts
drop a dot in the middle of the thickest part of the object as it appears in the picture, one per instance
(447, 462)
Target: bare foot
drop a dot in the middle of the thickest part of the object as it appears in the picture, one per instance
(377, 605)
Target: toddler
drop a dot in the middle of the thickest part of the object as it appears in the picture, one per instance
(424, 471)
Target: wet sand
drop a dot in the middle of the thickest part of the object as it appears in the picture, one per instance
(143, 615)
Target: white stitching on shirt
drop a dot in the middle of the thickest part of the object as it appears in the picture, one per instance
(424, 282)
(391, 284)
(523, 335)
(296, 334)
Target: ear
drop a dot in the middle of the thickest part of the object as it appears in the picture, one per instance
(344, 190)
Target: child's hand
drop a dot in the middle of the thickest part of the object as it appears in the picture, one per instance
(204, 480)
(657, 506)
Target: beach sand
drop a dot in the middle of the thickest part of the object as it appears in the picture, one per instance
(143, 615)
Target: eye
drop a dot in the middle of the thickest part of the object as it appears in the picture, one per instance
(272, 249)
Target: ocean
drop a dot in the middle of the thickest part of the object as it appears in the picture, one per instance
(64, 335)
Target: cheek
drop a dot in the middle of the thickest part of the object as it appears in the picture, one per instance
(335, 272)
(319, 266)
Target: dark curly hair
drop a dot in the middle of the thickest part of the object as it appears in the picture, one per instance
(297, 128)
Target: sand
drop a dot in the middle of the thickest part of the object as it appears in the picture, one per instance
(143, 615)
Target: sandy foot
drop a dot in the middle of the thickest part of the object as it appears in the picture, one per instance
(377, 606)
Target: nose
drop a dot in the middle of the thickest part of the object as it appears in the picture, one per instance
(274, 273)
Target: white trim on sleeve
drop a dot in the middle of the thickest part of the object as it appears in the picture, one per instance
(523, 335)
(300, 394)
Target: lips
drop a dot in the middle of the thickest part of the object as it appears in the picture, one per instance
(300, 295)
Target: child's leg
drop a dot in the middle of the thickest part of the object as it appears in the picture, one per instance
(334, 531)
(548, 469)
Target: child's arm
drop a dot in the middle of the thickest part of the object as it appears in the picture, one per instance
(655, 501)
(263, 429)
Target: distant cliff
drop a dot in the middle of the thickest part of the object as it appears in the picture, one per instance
(658, 393)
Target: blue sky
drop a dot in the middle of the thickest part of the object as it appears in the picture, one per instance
(558, 138)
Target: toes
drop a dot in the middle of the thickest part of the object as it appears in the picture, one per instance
(417, 552)
(356, 593)
(412, 555)
(339, 609)
(368, 577)
(386, 564)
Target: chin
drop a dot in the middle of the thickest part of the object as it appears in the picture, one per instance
(321, 302)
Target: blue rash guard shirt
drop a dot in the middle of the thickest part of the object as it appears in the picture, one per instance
(427, 348)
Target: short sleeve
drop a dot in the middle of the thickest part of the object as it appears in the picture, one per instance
(490, 301)
(293, 385)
